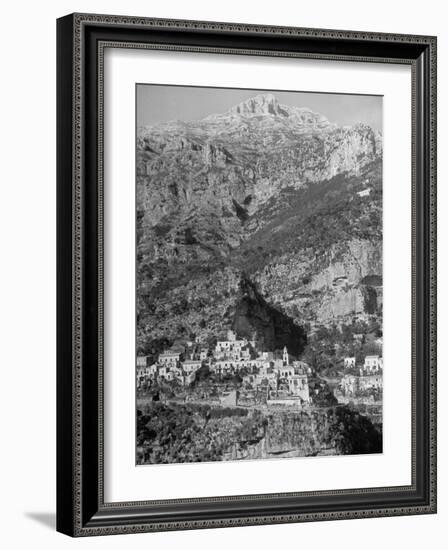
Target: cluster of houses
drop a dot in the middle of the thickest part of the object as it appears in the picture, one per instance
(169, 367)
(368, 376)
(281, 378)
(277, 377)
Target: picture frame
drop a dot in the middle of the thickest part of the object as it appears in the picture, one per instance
(81, 506)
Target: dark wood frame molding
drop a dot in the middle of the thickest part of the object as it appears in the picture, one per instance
(81, 39)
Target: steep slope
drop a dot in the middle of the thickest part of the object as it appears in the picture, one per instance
(263, 195)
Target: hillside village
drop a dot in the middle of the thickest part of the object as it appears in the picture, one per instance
(237, 372)
(265, 219)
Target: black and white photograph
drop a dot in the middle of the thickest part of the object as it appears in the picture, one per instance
(258, 274)
(223, 264)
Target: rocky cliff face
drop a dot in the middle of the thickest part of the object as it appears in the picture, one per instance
(321, 432)
(266, 195)
(168, 433)
(334, 286)
(274, 329)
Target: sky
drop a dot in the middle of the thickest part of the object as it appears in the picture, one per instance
(161, 103)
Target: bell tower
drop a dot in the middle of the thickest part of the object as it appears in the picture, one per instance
(285, 356)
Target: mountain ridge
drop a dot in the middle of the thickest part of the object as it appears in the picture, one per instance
(225, 197)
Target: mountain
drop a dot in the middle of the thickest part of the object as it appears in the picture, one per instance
(265, 200)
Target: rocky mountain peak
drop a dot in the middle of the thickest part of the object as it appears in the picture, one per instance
(302, 118)
(262, 104)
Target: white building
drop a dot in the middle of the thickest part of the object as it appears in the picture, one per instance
(298, 386)
(300, 367)
(364, 192)
(265, 356)
(373, 363)
(145, 373)
(230, 366)
(152, 370)
(163, 371)
(257, 380)
(349, 362)
(349, 384)
(166, 374)
(141, 376)
(265, 368)
(352, 384)
(191, 365)
(169, 358)
(286, 372)
(229, 346)
(141, 361)
(373, 381)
